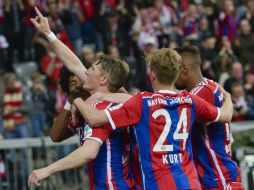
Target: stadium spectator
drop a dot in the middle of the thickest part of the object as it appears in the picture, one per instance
(249, 84)
(29, 31)
(204, 28)
(191, 20)
(113, 52)
(236, 76)
(14, 120)
(163, 20)
(250, 13)
(72, 18)
(148, 45)
(115, 32)
(39, 100)
(14, 31)
(239, 101)
(87, 53)
(51, 65)
(227, 21)
(245, 43)
(208, 56)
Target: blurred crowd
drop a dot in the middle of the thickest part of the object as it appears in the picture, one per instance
(130, 30)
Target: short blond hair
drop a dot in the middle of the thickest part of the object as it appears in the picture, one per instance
(117, 71)
(166, 64)
(35, 75)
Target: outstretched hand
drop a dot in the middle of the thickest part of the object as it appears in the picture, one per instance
(37, 175)
(40, 22)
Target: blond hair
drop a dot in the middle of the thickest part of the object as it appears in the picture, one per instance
(166, 64)
(35, 75)
(116, 70)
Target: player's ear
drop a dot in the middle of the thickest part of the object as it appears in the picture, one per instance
(152, 75)
(185, 70)
(104, 80)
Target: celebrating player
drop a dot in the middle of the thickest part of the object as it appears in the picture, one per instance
(164, 121)
(111, 157)
(109, 169)
(211, 143)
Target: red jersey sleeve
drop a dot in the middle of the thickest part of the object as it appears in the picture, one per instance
(99, 134)
(205, 112)
(125, 114)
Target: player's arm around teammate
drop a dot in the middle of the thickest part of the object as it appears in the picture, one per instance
(97, 118)
(111, 97)
(227, 108)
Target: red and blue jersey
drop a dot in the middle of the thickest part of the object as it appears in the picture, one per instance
(212, 143)
(163, 126)
(110, 169)
(134, 161)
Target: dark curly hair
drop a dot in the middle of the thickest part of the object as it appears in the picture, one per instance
(65, 75)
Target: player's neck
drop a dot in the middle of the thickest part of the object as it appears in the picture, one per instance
(100, 89)
(158, 87)
(195, 79)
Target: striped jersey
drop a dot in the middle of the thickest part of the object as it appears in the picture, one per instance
(134, 161)
(212, 143)
(164, 123)
(109, 170)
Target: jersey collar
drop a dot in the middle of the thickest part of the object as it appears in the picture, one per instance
(167, 91)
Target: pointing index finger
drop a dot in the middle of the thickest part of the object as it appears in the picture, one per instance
(38, 12)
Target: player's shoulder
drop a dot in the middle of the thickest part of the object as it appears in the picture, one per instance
(183, 93)
(144, 94)
(205, 87)
(103, 105)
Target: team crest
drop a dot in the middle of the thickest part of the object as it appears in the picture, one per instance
(87, 131)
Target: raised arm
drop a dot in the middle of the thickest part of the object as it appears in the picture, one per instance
(69, 59)
(88, 151)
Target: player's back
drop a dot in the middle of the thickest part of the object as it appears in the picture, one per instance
(163, 136)
(212, 143)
